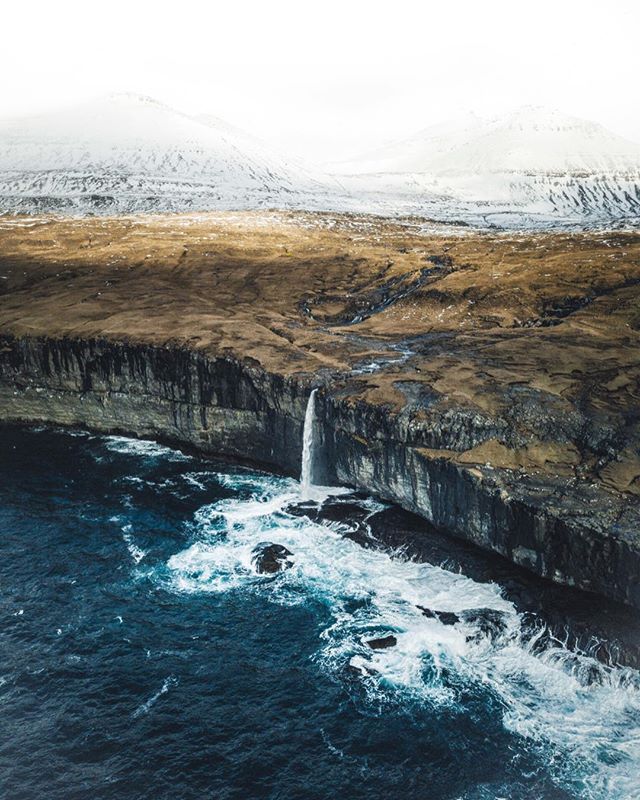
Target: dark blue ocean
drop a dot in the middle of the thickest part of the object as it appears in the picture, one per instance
(142, 655)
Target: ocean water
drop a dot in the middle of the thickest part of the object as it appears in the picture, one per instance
(142, 656)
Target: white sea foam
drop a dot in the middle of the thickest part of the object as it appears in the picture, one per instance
(136, 553)
(588, 730)
(146, 706)
(142, 447)
(196, 479)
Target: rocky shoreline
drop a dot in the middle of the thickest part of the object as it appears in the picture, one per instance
(224, 407)
(466, 425)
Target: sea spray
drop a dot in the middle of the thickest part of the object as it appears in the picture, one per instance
(193, 632)
(306, 474)
(586, 731)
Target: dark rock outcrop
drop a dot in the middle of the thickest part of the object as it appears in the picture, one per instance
(567, 531)
(445, 617)
(489, 622)
(383, 642)
(270, 558)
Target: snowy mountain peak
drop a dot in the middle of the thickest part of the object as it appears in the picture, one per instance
(128, 152)
(134, 98)
(529, 140)
(542, 118)
(117, 118)
(531, 166)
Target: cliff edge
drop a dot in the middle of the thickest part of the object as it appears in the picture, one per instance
(489, 382)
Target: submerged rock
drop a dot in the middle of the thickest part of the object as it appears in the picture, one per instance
(445, 617)
(357, 668)
(269, 558)
(382, 643)
(490, 622)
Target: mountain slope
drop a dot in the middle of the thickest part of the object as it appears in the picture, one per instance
(126, 153)
(533, 164)
(130, 153)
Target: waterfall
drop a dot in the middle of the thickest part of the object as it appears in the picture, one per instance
(306, 475)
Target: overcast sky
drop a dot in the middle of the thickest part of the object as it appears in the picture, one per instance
(332, 78)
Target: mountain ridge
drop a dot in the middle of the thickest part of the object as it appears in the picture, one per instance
(133, 153)
(129, 153)
(526, 128)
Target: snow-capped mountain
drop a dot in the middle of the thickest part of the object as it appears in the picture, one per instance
(128, 153)
(532, 165)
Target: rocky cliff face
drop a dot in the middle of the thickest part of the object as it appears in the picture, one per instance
(215, 405)
(236, 408)
(549, 527)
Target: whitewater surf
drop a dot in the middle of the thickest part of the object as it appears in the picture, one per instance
(138, 598)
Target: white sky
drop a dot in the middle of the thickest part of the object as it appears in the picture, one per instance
(332, 78)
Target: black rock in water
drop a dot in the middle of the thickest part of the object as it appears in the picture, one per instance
(445, 617)
(382, 643)
(356, 672)
(448, 617)
(490, 621)
(270, 558)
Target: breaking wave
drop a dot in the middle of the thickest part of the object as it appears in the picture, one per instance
(144, 653)
(457, 641)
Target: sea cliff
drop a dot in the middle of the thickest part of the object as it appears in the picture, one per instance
(522, 439)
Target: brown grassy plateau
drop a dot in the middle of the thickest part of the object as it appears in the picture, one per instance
(541, 330)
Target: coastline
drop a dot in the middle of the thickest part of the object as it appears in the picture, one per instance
(392, 432)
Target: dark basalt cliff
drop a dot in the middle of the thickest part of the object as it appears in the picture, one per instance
(225, 406)
(490, 383)
(567, 532)
(218, 406)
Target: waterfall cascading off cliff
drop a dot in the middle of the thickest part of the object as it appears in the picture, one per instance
(306, 473)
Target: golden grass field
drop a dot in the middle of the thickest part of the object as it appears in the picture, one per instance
(481, 318)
